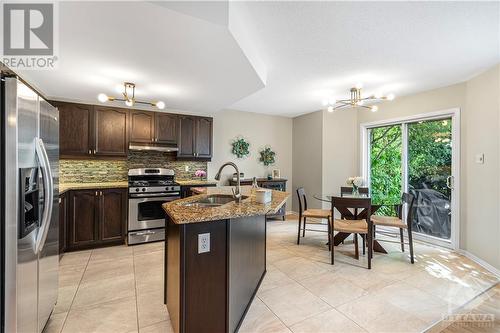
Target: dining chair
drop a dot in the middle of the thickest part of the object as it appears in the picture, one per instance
(361, 226)
(304, 213)
(392, 221)
(362, 190)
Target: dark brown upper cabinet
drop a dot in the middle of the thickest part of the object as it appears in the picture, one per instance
(142, 126)
(155, 127)
(96, 131)
(110, 128)
(186, 144)
(195, 137)
(75, 131)
(166, 127)
(204, 137)
(88, 131)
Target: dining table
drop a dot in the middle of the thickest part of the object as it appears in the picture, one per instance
(353, 214)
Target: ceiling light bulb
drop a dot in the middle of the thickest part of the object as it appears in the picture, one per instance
(129, 102)
(378, 96)
(330, 108)
(160, 105)
(390, 97)
(102, 98)
(374, 108)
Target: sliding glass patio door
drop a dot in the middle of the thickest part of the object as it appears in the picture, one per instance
(419, 156)
(429, 176)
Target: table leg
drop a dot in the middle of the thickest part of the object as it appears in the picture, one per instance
(340, 237)
(377, 247)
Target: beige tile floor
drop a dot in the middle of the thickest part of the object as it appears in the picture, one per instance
(119, 289)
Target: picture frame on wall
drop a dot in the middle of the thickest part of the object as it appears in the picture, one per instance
(276, 173)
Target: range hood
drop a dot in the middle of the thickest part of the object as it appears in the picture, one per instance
(166, 148)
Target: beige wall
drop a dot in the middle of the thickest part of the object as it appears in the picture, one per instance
(340, 146)
(260, 130)
(324, 153)
(307, 157)
(433, 100)
(480, 133)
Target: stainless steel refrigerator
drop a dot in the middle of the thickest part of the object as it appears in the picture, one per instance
(30, 167)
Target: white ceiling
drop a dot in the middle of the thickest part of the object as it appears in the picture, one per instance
(281, 58)
(190, 63)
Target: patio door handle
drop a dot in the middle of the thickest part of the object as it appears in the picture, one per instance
(450, 182)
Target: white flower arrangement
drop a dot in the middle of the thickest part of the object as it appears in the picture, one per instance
(355, 181)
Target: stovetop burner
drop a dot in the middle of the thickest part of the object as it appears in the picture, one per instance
(153, 180)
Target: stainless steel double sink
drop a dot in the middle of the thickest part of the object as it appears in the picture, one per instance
(214, 200)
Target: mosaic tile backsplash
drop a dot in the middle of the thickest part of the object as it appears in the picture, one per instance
(98, 171)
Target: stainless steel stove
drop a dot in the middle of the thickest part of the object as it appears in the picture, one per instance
(148, 190)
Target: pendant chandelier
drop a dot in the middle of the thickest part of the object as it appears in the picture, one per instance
(357, 100)
(129, 97)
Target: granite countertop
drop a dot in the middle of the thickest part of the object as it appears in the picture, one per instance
(63, 187)
(181, 214)
(196, 182)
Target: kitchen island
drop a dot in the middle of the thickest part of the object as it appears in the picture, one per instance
(215, 258)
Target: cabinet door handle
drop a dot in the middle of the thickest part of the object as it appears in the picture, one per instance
(96, 193)
(90, 152)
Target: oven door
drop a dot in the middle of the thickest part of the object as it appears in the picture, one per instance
(147, 213)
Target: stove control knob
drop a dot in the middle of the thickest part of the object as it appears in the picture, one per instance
(143, 189)
(166, 188)
(137, 190)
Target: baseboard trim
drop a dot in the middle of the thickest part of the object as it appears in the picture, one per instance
(480, 262)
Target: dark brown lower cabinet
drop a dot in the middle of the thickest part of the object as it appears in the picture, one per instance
(208, 292)
(113, 214)
(96, 218)
(63, 222)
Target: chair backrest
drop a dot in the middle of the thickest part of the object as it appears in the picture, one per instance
(342, 204)
(301, 193)
(348, 190)
(408, 199)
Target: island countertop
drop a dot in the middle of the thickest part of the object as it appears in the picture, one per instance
(181, 214)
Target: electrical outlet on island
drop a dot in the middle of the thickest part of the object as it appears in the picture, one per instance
(203, 243)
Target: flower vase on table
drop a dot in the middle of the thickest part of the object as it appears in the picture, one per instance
(355, 182)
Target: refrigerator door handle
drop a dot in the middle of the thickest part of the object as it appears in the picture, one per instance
(48, 189)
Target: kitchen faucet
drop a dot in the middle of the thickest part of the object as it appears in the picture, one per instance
(237, 193)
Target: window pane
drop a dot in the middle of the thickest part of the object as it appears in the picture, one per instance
(385, 167)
